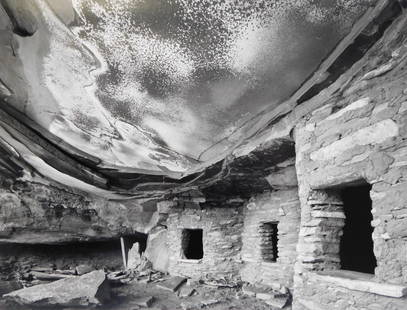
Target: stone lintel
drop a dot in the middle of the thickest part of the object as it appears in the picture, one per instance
(360, 282)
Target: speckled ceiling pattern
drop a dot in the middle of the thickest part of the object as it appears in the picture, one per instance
(154, 84)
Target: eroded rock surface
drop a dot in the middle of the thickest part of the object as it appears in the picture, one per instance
(90, 289)
(39, 213)
(23, 14)
(157, 251)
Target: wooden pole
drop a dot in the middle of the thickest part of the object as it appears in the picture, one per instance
(123, 252)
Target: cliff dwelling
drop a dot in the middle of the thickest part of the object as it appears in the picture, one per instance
(203, 154)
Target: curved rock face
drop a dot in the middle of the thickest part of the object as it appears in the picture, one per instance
(38, 213)
(162, 87)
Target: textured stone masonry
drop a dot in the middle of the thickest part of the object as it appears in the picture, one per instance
(222, 228)
(359, 134)
(282, 207)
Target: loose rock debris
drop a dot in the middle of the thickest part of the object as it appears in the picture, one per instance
(90, 289)
(172, 284)
(132, 289)
(144, 301)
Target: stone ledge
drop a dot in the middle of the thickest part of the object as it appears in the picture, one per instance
(190, 261)
(328, 214)
(360, 282)
(263, 263)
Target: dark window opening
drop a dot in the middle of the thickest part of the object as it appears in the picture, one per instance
(356, 247)
(192, 245)
(269, 241)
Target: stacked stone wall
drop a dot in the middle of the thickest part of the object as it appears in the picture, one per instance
(280, 207)
(360, 134)
(222, 229)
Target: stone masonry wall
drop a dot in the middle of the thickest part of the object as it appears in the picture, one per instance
(222, 228)
(281, 206)
(359, 134)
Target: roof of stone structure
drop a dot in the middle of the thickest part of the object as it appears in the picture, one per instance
(133, 96)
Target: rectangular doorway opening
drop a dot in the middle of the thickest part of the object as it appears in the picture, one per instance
(269, 241)
(356, 246)
(192, 245)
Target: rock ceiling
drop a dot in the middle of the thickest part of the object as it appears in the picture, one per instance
(155, 87)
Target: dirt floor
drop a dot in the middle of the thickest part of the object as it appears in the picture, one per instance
(17, 261)
(205, 298)
(125, 298)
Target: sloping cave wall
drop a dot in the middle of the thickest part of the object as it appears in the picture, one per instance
(50, 213)
(36, 213)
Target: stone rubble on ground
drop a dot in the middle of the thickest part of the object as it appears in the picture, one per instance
(186, 291)
(83, 269)
(172, 284)
(277, 299)
(145, 301)
(91, 289)
(209, 302)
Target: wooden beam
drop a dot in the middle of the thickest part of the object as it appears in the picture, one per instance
(123, 252)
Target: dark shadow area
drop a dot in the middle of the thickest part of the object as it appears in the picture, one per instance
(356, 247)
(192, 245)
(137, 237)
(16, 260)
(269, 241)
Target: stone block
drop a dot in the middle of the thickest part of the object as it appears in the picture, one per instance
(83, 269)
(361, 282)
(285, 177)
(90, 289)
(133, 256)
(373, 134)
(145, 301)
(172, 284)
(157, 250)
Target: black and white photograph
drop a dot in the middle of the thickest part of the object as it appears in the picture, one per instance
(203, 154)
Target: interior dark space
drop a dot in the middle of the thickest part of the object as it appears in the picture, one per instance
(192, 243)
(356, 247)
(269, 249)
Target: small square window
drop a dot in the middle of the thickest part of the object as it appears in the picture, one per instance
(192, 245)
(269, 241)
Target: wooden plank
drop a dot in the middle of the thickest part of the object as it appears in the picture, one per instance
(123, 252)
(50, 276)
